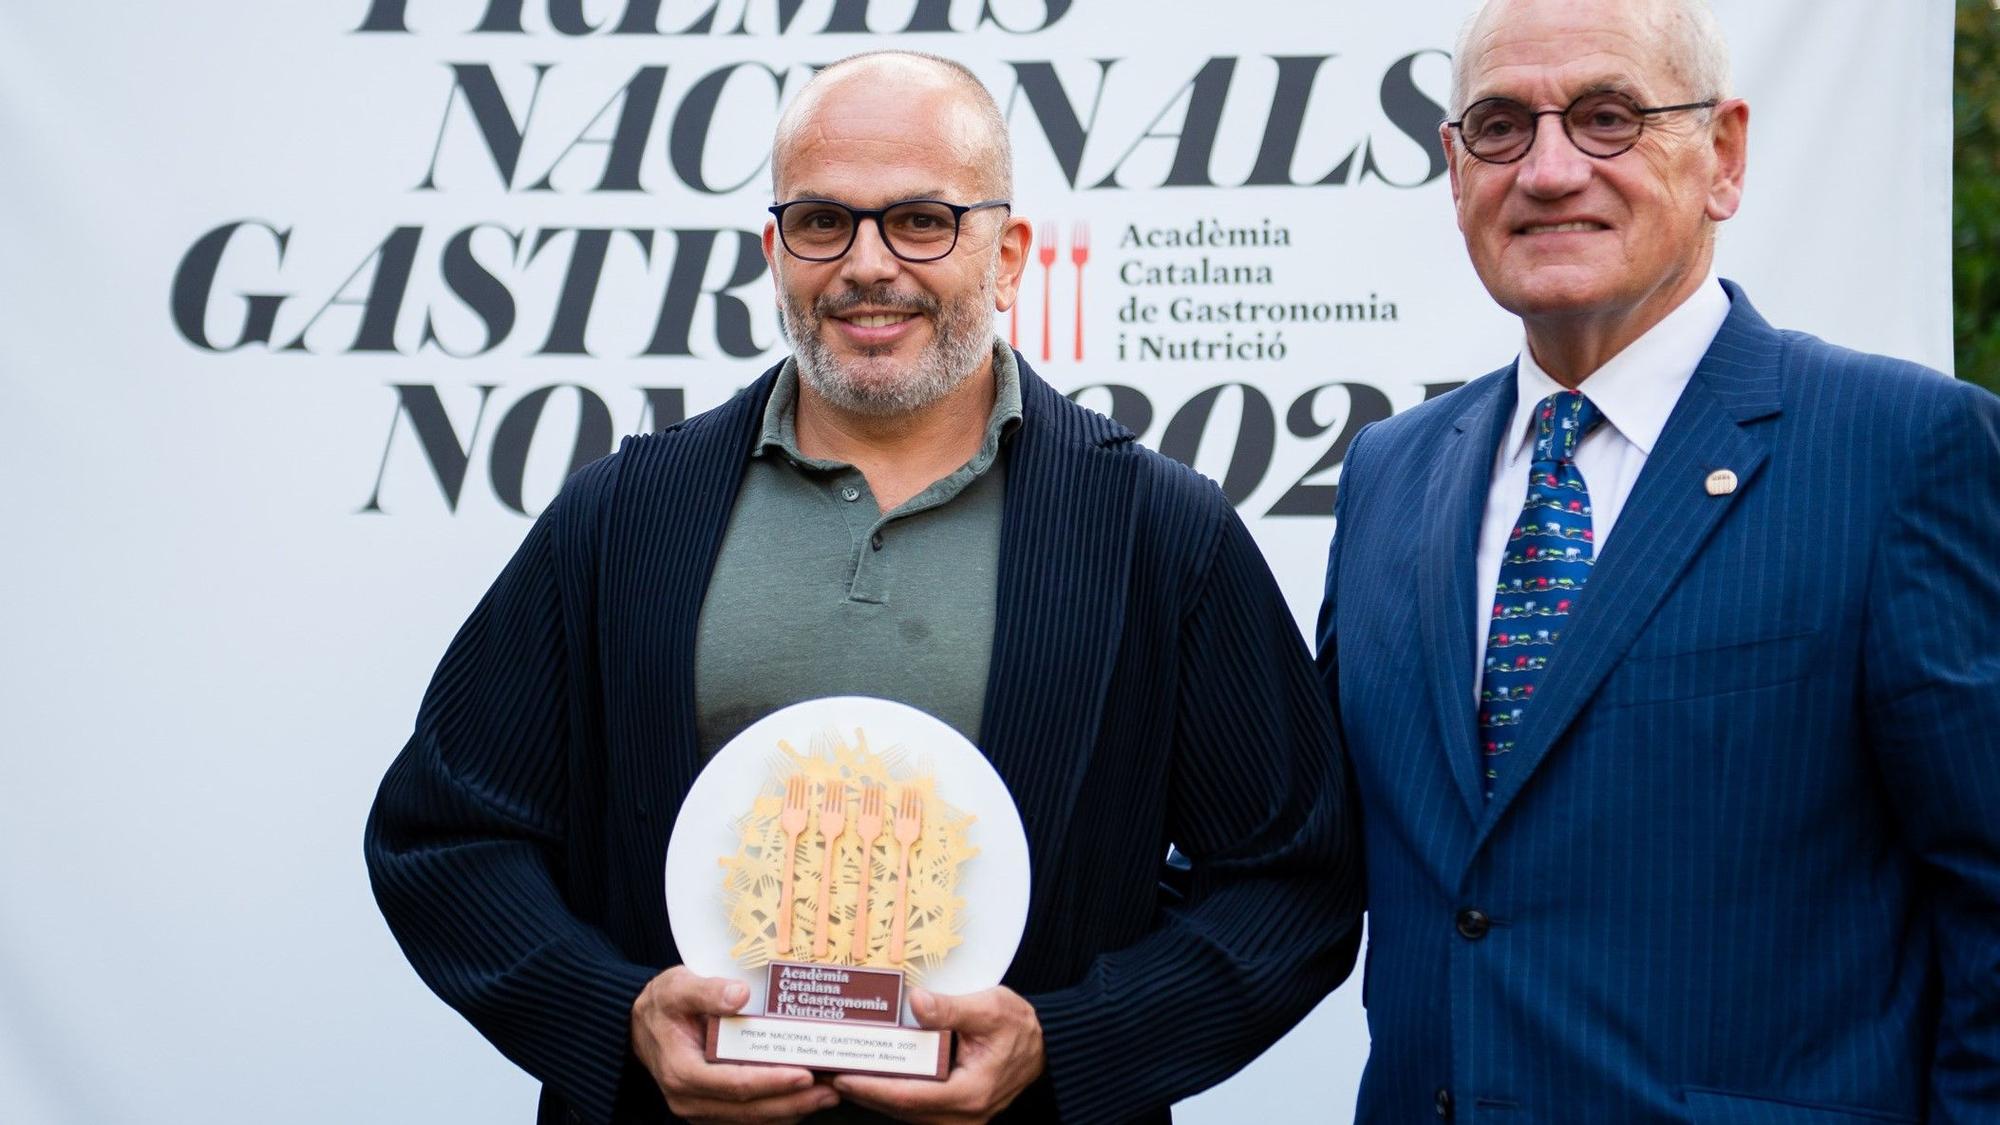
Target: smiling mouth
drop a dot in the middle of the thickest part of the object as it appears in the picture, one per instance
(878, 320)
(1580, 227)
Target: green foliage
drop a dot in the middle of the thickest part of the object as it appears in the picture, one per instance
(1975, 203)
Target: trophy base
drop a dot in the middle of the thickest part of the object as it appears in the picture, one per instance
(847, 1046)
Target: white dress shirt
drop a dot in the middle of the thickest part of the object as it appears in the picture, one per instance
(1635, 391)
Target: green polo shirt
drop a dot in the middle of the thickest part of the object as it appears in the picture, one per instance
(818, 592)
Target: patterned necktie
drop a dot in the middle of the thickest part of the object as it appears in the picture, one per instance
(1546, 561)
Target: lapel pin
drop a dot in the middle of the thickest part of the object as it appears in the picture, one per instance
(1721, 482)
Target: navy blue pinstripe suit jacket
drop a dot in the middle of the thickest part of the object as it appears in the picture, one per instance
(1745, 864)
(1147, 685)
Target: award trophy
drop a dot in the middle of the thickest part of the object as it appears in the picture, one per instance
(834, 853)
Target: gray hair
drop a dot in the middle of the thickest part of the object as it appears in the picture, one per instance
(1696, 49)
(988, 137)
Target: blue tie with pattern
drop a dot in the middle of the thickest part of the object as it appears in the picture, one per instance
(1545, 563)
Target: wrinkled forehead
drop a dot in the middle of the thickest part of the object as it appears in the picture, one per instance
(1552, 51)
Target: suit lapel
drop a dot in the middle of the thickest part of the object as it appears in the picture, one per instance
(1663, 526)
(1065, 551)
(1454, 503)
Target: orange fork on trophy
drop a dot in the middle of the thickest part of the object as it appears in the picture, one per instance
(867, 828)
(832, 824)
(792, 821)
(909, 824)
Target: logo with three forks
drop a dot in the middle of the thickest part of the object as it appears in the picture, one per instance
(1047, 251)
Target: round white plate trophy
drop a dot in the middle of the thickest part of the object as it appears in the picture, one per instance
(831, 853)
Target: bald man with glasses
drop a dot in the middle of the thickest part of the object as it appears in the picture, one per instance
(900, 509)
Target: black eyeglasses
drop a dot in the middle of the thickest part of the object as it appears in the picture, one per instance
(915, 230)
(1602, 124)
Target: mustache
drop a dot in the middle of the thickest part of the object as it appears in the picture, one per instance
(875, 297)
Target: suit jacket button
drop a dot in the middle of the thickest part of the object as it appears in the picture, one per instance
(1444, 1103)
(1473, 924)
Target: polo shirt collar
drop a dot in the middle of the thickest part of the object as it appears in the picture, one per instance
(780, 429)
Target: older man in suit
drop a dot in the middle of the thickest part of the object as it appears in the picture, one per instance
(1682, 780)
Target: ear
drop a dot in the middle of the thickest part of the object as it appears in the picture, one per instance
(1448, 140)
(1731, 131)
(1015, 239)
(771, 248)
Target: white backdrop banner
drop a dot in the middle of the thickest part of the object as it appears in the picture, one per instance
(306, 308)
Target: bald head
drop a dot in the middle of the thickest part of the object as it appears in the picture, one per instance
(1685, 31)
(970, 121)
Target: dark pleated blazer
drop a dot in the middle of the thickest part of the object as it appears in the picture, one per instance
(1744, 862)
(1147, 685)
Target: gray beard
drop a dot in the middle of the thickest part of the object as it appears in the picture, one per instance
(962, 339)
